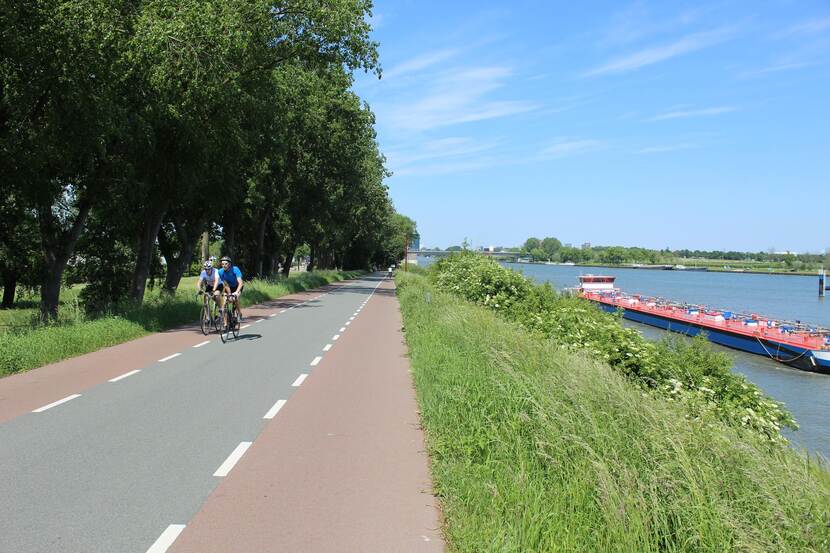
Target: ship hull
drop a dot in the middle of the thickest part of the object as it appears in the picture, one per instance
(800, 358)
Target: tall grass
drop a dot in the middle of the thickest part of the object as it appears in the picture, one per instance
(30, 346)
(534, 448)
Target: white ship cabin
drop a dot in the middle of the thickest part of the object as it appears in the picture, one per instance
(594, 283)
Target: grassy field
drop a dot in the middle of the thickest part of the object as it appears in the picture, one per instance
(536, 449)
(25, 345)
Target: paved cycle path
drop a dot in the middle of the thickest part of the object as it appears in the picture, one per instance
(126, 465)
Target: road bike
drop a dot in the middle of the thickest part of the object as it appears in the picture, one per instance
(229, 321)
(210, 313)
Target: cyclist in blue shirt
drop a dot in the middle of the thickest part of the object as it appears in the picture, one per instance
(230, 278)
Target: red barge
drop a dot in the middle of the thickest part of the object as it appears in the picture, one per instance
(796, 344)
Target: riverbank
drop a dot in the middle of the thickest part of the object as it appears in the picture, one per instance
(706, 268)
(28, 347)
(537, 448)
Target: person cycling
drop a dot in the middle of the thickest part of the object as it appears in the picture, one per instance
(210, 277)
(230, 278)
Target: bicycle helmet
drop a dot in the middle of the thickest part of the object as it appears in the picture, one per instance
(226, 258)
(208, 265)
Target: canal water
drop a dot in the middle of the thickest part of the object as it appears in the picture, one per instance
(806, 395)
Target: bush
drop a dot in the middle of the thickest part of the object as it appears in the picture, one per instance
(690, 372)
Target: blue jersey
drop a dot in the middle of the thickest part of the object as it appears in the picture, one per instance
(232, 277)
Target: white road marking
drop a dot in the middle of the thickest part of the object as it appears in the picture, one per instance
(272, 412)
(200, 344)
(299, 380)
(274, 314)
(169, 357)
(351, 318)
(258, 321)
(125, 375)
(343, 329)
(232, 459)
(327, 347)
(56, 403)
(335, 337)
(348, 323)
(283, 311)
(316, 360)
(166, 539)
(243, 327)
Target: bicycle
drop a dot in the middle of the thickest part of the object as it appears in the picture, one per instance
(229, 320)
(210, 313)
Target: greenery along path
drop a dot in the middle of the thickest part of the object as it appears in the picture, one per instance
(23, 350)
(535, 448)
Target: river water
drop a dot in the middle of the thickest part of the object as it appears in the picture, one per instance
(806, 395)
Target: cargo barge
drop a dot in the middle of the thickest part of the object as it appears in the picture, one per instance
(796, 344)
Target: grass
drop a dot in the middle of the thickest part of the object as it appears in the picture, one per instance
(28, 345)
(536, 449)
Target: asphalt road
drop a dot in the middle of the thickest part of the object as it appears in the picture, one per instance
(113, 469)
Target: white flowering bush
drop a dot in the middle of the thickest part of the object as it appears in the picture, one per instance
(678, 369)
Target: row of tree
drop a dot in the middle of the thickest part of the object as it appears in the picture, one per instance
(551, 249)
(129, 129)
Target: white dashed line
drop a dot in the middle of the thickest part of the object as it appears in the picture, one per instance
(274, 314)
(258, 321)
(343, 329)
(299, 380)
(166, 539)
(125, 375)
(283, 311)
(243, 327)
(56, 403)
(200, 344)
(327, 347)
(335, 337)
(315, 361)
(169, 357)
(348, 323)
(272, 412)
(232, 459)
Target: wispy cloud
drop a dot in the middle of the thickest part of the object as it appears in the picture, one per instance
(421, 62)
(808, 27)
(650, 56)
(637, 22)
(667, 148)
(401, 158)
(684, 114)
(454, 97)
(776, 68)
(564, 147)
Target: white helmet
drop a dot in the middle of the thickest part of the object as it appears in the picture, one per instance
(208, 265)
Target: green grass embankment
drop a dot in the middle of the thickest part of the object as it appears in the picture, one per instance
(535, 448)
(26, 348)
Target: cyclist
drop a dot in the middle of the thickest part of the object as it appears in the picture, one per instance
(231, 279)
(210, 277)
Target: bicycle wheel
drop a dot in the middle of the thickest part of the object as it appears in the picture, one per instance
(228, 321)
(206, 320)
(236, 324)
(222, 325)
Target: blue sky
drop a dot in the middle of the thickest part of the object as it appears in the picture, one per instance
(658, 124)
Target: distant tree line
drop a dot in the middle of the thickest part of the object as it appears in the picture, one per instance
(129, 129)
(551, 249)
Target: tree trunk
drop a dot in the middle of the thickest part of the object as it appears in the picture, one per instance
(9, 288)
(259, 251)
(289, 258)
(205, 246)
(177, 261)
(146, 242)
(57, 245)
(312, 258)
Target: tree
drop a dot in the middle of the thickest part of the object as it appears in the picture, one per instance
(550, 245)
(532, 244)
